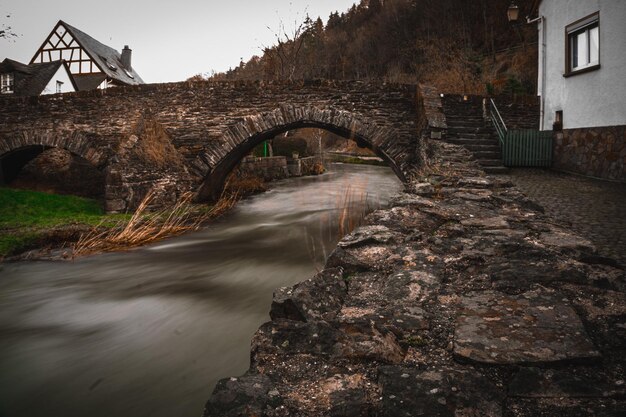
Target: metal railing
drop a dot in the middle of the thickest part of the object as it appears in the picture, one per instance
(521, 147)
(498, 122)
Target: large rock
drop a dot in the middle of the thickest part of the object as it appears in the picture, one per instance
(248, 395)
(318, 298)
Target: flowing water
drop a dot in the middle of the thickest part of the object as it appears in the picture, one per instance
(149, 332)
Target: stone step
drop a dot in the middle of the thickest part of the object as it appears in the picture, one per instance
(457, 115)
(496, 169)
(482, 148)
(465, 123)
(474, 142)
(464, 129)
(468, 125)
(468, 135)
(492, 154)
(452, 119)
(490, 162)
(469, 119)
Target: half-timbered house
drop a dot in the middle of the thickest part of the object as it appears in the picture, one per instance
(91, 63)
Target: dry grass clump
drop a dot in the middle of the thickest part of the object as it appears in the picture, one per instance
(152, 145)
(145, 227)
(318, 169)
(244, 185)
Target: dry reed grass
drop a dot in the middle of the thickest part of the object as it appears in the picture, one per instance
(244, 185)
(145, 227)
(353, 210)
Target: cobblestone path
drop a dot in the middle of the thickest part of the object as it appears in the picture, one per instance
(596, 209)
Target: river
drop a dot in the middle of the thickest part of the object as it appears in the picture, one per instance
(150, 332)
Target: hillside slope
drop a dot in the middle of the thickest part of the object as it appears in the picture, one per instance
(459, 46)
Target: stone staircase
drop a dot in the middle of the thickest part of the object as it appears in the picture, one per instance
(468, 127)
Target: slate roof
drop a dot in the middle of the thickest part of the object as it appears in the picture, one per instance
(88, 81)
(30, 80)
(104, 55)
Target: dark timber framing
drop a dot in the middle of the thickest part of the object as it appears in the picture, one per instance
(51, 45)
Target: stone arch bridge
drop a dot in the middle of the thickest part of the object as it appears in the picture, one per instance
(209, 126)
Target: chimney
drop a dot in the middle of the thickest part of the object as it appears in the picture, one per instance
(126, 57)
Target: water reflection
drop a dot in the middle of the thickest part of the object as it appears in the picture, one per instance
(149, 333)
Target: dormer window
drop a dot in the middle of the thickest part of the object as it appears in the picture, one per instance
(7, 82)
(108, 64)
(128, 73)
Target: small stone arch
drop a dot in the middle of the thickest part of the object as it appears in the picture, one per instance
(216, 162)
(35, 141)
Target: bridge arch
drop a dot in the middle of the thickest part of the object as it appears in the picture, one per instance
(16, 151)
(216, 162)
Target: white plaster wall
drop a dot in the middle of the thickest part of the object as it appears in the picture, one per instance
(596, 98)
(63, 76)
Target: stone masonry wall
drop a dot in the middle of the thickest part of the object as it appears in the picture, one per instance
(268, 168)
(598, 152)
(461, 299)
(519, 112)
(311, 165)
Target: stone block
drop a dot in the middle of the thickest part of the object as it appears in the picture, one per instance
(531, 328)
(115, 206)
(444, 392)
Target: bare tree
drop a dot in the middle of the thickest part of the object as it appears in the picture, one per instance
(288, 47)
(6, 31)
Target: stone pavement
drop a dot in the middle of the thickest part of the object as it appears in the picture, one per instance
(595, 209)
(462, 299)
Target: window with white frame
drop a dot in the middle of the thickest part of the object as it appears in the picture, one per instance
(583, 45)
(6, 83)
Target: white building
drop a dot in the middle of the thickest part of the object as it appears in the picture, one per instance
(35, 79)
(582, 83)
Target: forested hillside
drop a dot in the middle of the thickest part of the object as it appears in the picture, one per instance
(458, 45)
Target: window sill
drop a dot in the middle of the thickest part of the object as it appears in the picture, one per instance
(581, 71)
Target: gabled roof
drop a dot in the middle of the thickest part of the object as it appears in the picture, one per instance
(9, 65)
(104, 55)
(107, 59)
(30, 80)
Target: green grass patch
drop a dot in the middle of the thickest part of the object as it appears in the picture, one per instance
(21, 208)
(26, 216)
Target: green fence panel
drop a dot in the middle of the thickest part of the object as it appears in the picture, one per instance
(527, 148)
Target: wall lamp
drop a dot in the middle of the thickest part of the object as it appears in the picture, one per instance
(513, 14)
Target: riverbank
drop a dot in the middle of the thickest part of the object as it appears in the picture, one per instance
(38, 225)
(31, 220)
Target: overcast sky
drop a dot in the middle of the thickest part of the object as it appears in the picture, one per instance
(171, 40)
